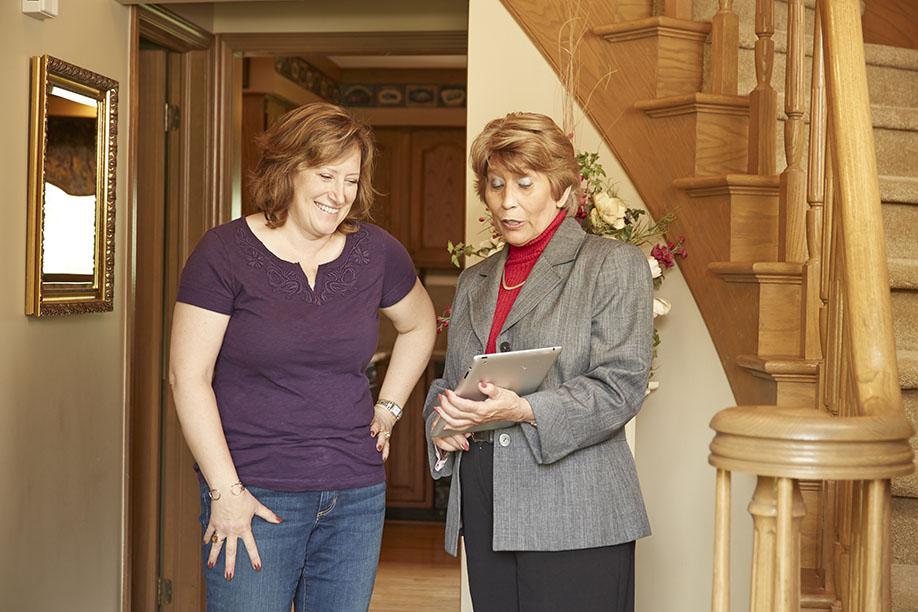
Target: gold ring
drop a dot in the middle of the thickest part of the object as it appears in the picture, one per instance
(214, 538)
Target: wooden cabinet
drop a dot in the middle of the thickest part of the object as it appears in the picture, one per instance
(408, 481)
(409, 486)
(259, 112)
(421, 176)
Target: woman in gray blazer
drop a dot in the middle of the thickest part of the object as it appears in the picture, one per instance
(551, 506)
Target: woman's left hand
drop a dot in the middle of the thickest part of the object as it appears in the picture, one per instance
(381, 428)
(501, 405)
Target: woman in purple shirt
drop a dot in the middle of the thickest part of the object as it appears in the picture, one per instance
(275, 324)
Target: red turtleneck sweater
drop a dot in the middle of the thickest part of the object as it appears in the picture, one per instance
(520, 261)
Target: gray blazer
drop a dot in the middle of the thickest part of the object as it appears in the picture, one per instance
(570, 482)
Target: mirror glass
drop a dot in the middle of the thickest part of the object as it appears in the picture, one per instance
(71, 195)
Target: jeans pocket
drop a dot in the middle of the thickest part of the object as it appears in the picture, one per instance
(204, 517)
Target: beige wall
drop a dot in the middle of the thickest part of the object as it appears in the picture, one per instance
(61, 378)
(507, 73)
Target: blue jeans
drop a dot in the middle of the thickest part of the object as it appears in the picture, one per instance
(322, 558)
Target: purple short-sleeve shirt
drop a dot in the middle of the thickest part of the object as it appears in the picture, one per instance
(290, 377)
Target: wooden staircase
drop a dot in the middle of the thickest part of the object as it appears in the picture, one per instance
(787, 268)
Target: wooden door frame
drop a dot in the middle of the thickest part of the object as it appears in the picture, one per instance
(142, 459)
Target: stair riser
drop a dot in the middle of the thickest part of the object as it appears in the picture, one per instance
(897, 152)
(907, 486)
(905, 318)
(903, 531)
(900, 223)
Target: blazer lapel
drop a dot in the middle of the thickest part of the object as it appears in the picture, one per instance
(547, 272)
(483, 295)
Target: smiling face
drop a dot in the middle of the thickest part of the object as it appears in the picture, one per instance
(522, 205)
(323, 196)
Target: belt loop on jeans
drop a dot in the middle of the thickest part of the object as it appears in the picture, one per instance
(483, 436)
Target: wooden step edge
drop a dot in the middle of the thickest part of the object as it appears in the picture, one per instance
(686, 104)
(759, 272)
(780, 368)
(745, 184)
(649, 27)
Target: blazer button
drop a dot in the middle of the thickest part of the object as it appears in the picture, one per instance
(504, 439)
(504, 347)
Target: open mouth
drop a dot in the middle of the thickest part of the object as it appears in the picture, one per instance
(511, 223)
(327, 209)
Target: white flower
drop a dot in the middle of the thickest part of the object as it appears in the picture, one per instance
(655, 270)
(652, 386)
(611, 209)
(660, 307)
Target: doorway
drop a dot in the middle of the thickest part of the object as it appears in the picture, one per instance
(189, 116)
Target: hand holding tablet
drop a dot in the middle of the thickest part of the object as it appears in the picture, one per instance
(519, 371)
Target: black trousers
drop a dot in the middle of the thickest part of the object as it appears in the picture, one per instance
(586, 580)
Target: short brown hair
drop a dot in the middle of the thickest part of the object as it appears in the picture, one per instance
(308, 137)
(527, 142)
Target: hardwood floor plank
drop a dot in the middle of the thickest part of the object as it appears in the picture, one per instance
(415, 574)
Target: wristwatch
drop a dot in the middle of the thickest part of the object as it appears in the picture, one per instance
(392, 407)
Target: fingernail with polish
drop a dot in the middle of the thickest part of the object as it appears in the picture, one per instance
(258, 567)
(210, 565)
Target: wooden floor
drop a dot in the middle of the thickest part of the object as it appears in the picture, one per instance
(415, 574)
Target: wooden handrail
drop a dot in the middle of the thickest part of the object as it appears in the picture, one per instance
(867, 300)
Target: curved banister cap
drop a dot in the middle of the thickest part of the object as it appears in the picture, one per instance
(804, 443)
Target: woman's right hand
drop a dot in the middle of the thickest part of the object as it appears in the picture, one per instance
(454, 442)
(231, 519)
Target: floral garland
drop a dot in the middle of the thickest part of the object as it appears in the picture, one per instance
(603, 213)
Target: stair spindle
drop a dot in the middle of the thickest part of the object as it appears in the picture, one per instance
(793, 179)
(763, 101)
(720, 599)
(815, 301)
(678, 9)
(724, 49)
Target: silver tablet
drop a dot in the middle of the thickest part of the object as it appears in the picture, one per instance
(519, 371)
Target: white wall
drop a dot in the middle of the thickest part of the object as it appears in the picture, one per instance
(61, 378)
(674, 566)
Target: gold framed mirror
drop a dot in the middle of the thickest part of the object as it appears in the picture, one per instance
(70, 257)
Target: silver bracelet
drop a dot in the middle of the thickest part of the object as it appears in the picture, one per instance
(236, 490)
(392, 407)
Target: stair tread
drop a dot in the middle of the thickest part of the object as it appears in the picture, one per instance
(899, 189)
